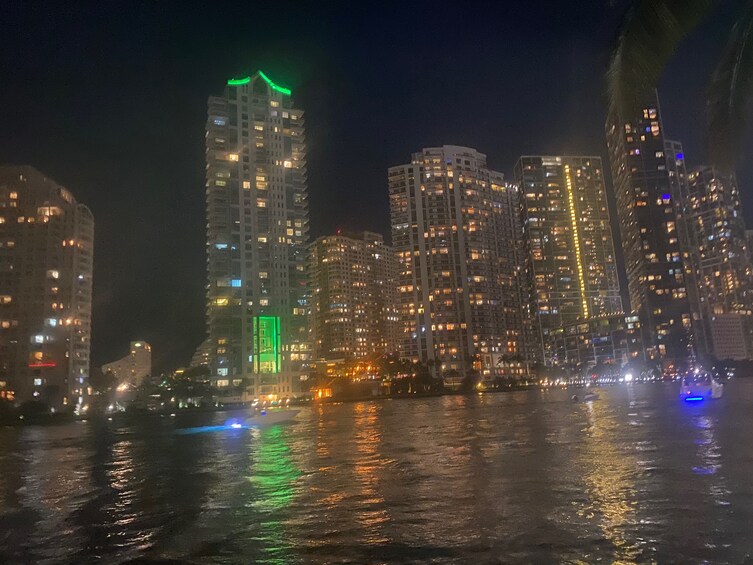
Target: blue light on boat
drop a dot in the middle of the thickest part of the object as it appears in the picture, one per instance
(693, 398)
(236, 425)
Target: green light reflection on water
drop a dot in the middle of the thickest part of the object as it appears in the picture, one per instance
(273, 474)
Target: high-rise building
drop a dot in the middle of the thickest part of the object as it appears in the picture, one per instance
(456, 232)
(202, 354)
(257, 236)
(648, 209)
(354, 297)
(134, 367)
(605, 340)
(46, 245)
(719, 257)
(572, 271)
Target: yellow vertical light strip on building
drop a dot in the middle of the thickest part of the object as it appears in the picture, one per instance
(576, 240)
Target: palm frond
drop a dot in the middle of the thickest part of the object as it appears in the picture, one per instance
(730, 92)
(649, 37)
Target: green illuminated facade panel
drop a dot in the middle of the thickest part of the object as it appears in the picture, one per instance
(267, 356)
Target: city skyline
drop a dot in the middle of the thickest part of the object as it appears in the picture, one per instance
(129, 186)
(393, 282)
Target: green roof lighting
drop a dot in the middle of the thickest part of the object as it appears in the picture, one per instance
(273, 86)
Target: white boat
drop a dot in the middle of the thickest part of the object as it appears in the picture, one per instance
(700, 386)
(264, 417)
(261, 418)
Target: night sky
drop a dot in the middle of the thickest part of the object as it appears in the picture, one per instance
(109, 99)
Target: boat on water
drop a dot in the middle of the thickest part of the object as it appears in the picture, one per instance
(700, 386)
(261, 418)
(264, 417)
(588, 397)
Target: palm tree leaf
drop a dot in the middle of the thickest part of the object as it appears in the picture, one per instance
(649, 37)
(729, 93)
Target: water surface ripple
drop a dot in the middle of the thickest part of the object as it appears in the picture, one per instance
(526, 477)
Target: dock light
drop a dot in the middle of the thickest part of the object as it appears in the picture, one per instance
(628, 377)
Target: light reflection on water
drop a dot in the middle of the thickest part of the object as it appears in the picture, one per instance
(523, 477)
(609, 473)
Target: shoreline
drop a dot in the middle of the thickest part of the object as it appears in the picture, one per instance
(60, 419)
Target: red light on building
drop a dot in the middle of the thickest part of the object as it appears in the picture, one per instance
(40, 365)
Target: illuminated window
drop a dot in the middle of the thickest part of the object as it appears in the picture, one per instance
(235, 283)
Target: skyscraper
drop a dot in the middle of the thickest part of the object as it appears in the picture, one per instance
(257, 235)
(456, 232)
(647, 209)
(46, 245)
(718, 249)
(134, 367)
(571, 263)
(354, 297)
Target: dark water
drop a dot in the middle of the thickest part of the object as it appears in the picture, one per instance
(522, 477)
